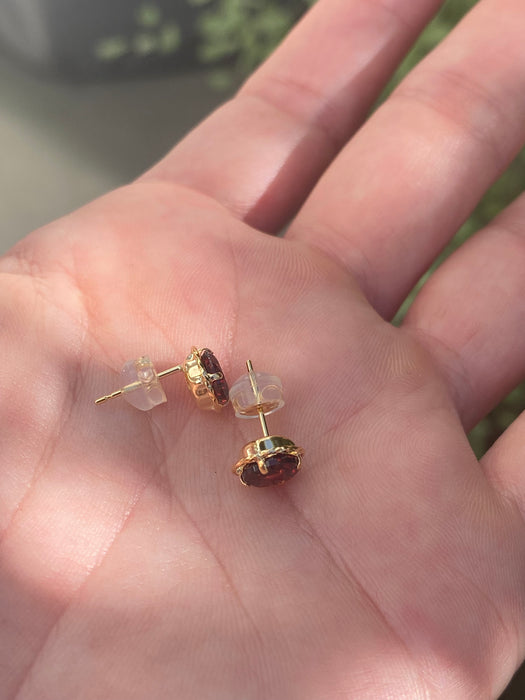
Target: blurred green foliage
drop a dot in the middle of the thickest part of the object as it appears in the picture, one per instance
(243, 32)
(151, 35)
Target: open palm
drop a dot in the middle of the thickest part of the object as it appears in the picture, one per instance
(134, 565)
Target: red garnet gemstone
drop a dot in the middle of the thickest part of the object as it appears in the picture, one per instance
(281, 467)
(219, 386)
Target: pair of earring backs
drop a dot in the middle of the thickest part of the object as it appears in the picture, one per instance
(270, 460)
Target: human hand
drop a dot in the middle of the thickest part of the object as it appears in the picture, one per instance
(134, 564)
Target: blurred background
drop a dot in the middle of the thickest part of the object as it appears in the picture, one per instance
(93, 92)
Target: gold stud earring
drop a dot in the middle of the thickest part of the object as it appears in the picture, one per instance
(270, 460)
(204, 377)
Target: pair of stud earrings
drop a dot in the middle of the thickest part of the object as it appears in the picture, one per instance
(270, 460)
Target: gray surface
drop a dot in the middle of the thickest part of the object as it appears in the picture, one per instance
(62, 145)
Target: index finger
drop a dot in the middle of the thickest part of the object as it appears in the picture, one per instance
(262, 152)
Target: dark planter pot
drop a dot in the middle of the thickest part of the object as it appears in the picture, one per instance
(93, 39)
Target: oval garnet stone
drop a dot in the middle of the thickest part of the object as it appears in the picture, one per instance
(281, 467)
(218, 386)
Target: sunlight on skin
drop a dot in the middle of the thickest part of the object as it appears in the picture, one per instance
(134, 564)
(111, 473)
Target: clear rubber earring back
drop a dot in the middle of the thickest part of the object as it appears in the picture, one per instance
(141, 385)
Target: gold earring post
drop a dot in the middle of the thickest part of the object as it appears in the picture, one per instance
(135, 385)
(172, 370)
(114, 395)
(257, 394)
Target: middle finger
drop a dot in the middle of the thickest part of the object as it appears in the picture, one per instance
(411, 176)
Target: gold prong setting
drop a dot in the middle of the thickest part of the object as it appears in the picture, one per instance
(270, 469)
(205, 379)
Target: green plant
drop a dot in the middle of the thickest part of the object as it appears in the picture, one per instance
(239, 34)
(151, 35)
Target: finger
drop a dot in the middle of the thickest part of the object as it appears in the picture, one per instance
(471, 315)
(407, 181)
(503, 463)
(262, 152)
